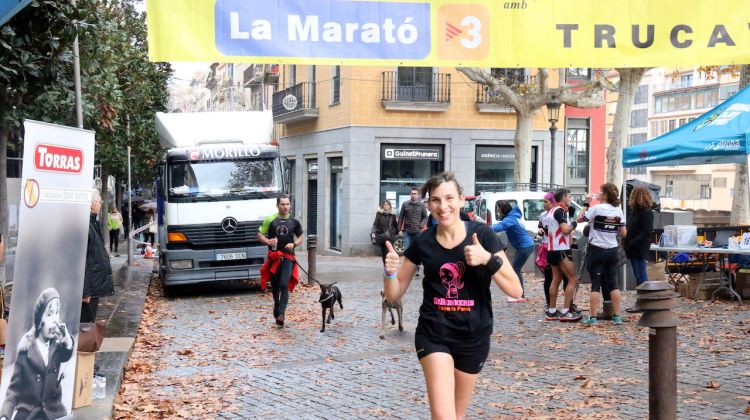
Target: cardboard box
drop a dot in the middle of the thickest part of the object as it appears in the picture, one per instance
(743, 283)
(84, 383)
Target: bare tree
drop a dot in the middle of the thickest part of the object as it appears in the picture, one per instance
(741, 200)
(527, 99)
(630, 78)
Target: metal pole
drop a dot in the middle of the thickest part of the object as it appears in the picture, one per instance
(552, 131)
(655, 301)
(312, 245)
(662, 373)
(130, 212)
(77, 78)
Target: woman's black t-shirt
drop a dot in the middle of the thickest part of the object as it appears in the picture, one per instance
(456, 305)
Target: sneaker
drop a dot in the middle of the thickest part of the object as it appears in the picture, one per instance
(514, 300)
(589, 320)
(574, 308)
(617, 320)
(570, 317)
(552, 316)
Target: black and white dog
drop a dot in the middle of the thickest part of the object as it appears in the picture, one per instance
(329, 295)
(390, 306)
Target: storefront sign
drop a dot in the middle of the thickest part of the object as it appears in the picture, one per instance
(482, 33)
(57, 182)
(412, 153)
(498, 154)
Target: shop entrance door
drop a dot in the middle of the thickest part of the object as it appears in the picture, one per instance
(312, 196)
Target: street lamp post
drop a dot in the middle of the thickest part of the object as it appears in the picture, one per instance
(553, 111)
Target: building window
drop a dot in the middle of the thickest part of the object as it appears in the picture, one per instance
(641, 95)
(668, 188)
(633, 140)
(705, 191)
(720, 182)
(415, 84)
(686, 80)
(578, 73)
(577, 151)
(683, 121)
(639, 118)
(336, 85)
(509, 76)
(403, 166)
(672, 124)
(654, 128)
(292, 75)
(495, 165)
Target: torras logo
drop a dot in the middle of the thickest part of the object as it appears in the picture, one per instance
(52, 158)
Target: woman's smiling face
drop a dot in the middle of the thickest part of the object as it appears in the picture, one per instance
(445, 203)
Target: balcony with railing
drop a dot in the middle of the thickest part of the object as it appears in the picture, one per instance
(419, 91)
(491, 103)
(294, 104)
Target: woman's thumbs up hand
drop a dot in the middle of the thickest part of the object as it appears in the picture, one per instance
(392, 260)
(475, 253)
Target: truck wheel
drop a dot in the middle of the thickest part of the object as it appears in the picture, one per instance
(398, 245)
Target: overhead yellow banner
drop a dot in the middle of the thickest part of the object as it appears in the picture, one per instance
(481, 33)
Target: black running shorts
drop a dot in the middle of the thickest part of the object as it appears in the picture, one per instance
(556, 257)
(467, 357)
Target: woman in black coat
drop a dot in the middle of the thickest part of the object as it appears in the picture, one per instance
(385, 227)
(97, 279)
(640, 230)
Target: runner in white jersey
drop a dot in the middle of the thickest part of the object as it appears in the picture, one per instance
(548, 202)
(607, 222)
(560, 258)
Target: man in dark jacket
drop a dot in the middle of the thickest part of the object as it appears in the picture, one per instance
(97, 281)
(412, 217)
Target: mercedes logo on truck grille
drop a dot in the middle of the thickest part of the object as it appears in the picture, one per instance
(229, 225)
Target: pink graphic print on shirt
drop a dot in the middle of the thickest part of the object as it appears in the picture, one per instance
(451, 275)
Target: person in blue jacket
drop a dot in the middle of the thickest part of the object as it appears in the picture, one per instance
(510, 223)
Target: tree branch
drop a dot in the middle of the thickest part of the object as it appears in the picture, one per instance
(498, 89)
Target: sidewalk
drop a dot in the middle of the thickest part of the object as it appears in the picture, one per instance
(123, 314)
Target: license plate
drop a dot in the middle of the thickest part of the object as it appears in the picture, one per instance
(231, 256)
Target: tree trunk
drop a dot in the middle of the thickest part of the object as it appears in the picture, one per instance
(118, 194)
(741, 200)
(522, 143)
(4, 196)
(630, 78)
(105, 201)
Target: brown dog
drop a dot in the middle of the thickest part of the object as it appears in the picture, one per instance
(388, 306)
(329, 295)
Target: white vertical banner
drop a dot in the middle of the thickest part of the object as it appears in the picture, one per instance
(39, 368)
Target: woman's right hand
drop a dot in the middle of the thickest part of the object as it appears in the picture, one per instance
(392, 261)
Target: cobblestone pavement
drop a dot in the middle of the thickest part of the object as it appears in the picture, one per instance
(536, 369)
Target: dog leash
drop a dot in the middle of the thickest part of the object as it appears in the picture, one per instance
(300, 267)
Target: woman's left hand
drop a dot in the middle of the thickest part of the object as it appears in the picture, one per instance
(475, 253)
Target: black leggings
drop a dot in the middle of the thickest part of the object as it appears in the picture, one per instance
(88, 310)
(383, 251)
(114, 239)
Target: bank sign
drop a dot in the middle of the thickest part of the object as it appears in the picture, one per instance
(412, 153)
(484, 33)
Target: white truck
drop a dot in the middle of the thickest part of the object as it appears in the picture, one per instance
(219, 179)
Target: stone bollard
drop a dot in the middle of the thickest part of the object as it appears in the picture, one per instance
(312, 245)
(654, 299)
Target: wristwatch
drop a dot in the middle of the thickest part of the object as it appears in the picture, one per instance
(494, 264)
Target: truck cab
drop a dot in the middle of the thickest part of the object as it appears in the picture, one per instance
(212, 198)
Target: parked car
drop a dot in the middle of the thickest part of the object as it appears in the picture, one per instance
(469, 205)
(531, 207)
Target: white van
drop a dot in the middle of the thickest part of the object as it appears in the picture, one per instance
(531, 207)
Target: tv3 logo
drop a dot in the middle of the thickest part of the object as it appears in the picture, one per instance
(465, 31)
(474, 32)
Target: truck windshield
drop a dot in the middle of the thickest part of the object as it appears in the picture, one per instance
(224, 180)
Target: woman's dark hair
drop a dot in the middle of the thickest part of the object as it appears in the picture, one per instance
(613, 195)
(382, 205)
(641, 198)
(438, 179)
(504, 207)
(560, 193)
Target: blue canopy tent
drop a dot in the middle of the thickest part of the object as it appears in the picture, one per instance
(721, 135)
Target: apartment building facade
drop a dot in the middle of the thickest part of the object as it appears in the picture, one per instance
(356, 136)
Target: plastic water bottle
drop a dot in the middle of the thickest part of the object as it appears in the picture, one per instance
(100, 387)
